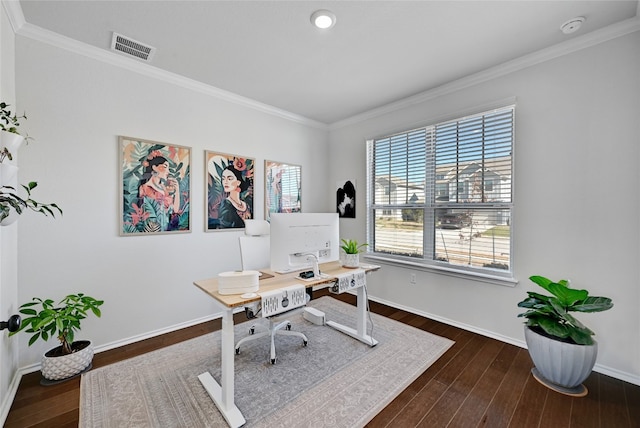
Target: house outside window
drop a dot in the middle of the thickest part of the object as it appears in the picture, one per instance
(440, 196)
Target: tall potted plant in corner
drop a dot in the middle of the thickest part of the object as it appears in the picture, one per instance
(46, 319)
(352, 251)
(561, 347)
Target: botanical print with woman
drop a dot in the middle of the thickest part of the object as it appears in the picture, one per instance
(155, 187)
(230, 191)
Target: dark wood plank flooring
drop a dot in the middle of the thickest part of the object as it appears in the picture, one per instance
(478, 382)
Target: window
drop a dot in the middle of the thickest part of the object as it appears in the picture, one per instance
(441, 195)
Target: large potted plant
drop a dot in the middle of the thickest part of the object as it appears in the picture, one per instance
(352, 251)
(46, 319)
(561, 347)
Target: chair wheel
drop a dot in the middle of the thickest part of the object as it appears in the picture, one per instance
(288, 326)
(237, 351)
(252, 330)
(304, 343)
(273, 361)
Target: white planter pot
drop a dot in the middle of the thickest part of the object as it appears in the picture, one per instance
(7, 174)
(13, 216)
(66, 366)
(564, 366)
(12, 142)
(351, 261)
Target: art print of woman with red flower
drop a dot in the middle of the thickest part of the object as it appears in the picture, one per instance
(230, 191)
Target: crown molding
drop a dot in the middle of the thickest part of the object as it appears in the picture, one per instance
(14, 14)
(23, 28)
(573, 45)
(34, 32)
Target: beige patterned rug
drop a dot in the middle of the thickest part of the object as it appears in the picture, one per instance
(335, 381)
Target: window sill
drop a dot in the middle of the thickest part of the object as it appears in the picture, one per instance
(507, 281)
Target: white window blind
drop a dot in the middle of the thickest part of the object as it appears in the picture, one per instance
(441, 195)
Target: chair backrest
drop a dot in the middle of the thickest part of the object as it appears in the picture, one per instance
(255, 246)
(255, 252)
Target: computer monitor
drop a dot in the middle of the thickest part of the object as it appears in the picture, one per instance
(296, 238)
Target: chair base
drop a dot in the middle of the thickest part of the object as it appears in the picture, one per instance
(282, 328)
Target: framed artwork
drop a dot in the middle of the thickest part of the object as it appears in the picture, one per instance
(155, 191)
(229, 190)
(346, 199)
(282, 188)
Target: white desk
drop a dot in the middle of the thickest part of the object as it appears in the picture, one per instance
(223, 394)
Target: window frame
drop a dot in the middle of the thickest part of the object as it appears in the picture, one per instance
(427, 261)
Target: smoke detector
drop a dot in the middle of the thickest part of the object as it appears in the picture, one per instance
(127, 46)
(572, 25)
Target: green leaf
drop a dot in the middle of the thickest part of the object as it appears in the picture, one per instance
(553, 328)
(575, 323)
(541, 281)
(594, 304)
(29, 304)
(34, 338)
(567, 296)
(557, 307)
(43, 322)
(580, 337)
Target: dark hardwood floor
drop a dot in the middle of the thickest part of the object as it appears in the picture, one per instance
(478, 382)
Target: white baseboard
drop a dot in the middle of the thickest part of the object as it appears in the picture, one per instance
(133, 339)
(7, 401)
(608, 371)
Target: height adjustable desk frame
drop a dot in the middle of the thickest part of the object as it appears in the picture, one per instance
(222, 393)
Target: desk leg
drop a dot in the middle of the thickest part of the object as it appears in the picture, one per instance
(222, 395)
(361, 322)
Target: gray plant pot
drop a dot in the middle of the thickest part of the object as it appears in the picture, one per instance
(351, 261)
(560, 366)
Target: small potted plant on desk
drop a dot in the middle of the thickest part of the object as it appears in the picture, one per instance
(45, 319)
(561, 347)
(352, 251)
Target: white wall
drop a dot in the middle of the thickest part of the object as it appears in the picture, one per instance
(8, 235)
(576, 197)
(576, 153)
(77, 107)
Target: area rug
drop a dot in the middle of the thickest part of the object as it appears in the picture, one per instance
(335, 381)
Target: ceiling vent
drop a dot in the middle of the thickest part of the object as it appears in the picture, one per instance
(130, 47)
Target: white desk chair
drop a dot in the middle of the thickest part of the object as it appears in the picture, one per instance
(255, 255)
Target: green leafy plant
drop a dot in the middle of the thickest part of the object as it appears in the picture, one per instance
(45, 319)
(549, 315)
(9, 121)
(9, 199)
(350, 246)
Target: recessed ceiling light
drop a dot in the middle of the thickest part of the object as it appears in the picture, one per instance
(323, 19)
(572, 25)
